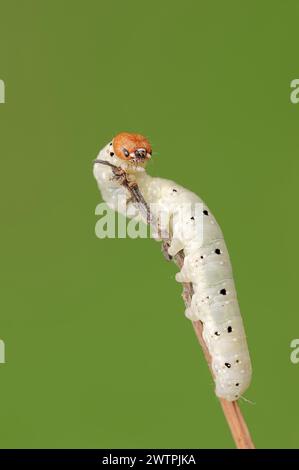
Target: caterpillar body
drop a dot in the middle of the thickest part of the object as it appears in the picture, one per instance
(206, 264)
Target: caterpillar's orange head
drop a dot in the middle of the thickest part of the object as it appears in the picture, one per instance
(131, 147)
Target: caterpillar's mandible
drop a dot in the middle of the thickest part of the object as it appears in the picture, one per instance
(206, 265)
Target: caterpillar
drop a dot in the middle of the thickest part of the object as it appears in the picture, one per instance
(206, 263)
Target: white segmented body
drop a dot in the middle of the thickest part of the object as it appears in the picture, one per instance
(206, 265)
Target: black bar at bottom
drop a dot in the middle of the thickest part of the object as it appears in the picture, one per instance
(135, 458)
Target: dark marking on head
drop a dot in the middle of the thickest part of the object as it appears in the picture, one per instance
(111, 154)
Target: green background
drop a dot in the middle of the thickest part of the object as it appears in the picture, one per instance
(98, 351)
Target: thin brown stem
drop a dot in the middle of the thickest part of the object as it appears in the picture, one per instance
(231, 410)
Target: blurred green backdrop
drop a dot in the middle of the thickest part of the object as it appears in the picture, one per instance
(98, 351)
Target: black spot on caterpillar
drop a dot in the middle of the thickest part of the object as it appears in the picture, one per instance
(227, 364)
(223, 291)
(229, 329)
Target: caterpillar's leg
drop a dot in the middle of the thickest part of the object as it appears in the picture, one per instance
(175, 246)
(182, 276)
(124, 179)
(119, 175)
(171, 248)
(192, 312)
